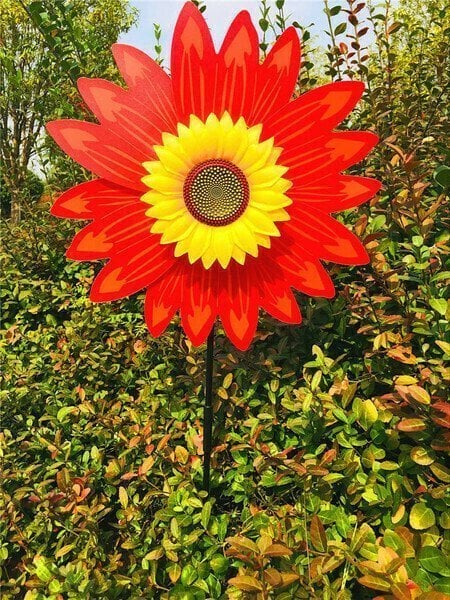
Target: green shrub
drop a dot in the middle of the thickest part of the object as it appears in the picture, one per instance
(32, 192)
(329, 479)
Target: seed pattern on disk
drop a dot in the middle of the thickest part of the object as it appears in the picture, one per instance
(216, 192)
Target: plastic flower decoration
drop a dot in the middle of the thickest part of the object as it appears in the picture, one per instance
(214, 187)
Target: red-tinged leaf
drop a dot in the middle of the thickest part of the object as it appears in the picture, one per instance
(288, 578)
(146, 465)
(277, 550)
(411, 425)
(273, 577)
(163, 442)
(401, 591)
(318, 535)
(375, 583)
(403, 355)
(394, 27)
(394, 565)
(328, 456)
(244, 544)
(419, 394)
(441, 421)
(246, 583)
(442, 407)
(442, 442)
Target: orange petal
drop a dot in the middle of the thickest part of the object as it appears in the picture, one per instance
(162, 300)
(101, 151)
(238, 61)
(108, 235)
(316, 112)
(92, 198)
(199, 302)
(277, 76)
(238, 305)
(193, 64)
(122, 112)
(148, 81)
(131, 270)
(336, 193)
(276, 297)
(321, 157)
(324, 237)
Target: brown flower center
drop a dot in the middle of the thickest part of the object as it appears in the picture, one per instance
(216, 192)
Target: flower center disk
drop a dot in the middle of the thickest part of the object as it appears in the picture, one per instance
(216, 192)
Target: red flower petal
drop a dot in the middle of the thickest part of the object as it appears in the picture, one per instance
(193, 64)
(301, 269)
(336, 193)
(324, 237)
(162, 300)
(278, 300)
(238, 305)
(121, 112)
(93, 198)
(238, 61)
(132, 269)
(316, 160)
(101, 151)
(316, 112)
(277, 76)
(311, 278)
(148, 82)
(199, 302)
(108, 235)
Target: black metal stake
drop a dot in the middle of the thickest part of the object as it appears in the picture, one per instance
(208, 412)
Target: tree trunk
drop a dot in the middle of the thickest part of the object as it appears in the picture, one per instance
(16, 208)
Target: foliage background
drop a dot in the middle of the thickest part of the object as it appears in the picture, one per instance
(330, 477)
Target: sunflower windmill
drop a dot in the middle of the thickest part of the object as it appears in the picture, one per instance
(214, 188)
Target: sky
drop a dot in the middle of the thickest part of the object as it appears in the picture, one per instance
(219, 15)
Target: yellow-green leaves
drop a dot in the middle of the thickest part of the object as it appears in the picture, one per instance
(421, 517)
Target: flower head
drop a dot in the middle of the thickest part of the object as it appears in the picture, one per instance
(214, 187)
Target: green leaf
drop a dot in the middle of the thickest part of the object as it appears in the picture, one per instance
(42, 571)
(439, 305)
(206, 514)
(441, 472)
(368, 414)
(340, 28)
(64, 412)
(421, 517)
(432, 559)
(188, 575)
(444, 519)
(442, 176)
(443, 586)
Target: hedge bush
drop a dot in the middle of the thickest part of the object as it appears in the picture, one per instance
(329, 475)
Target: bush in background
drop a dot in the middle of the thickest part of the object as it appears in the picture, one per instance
(329, 469)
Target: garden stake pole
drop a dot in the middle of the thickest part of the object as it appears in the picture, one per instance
(208, 411)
